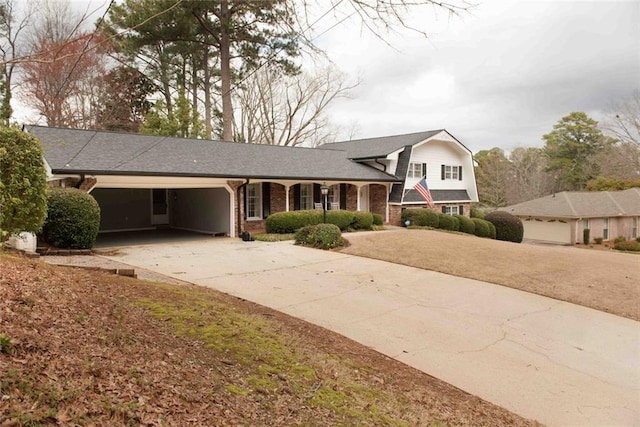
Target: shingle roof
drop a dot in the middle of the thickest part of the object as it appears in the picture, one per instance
(375, 148)
(118, 153)
(412, 196)
(594, 204)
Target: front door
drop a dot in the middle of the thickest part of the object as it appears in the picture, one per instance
(159, 209)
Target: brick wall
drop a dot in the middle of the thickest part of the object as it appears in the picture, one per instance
(352, 197)
(278, 198)
(395, 212)
(377, 199)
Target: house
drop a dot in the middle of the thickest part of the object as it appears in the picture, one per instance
(149, 181)
(562, 217)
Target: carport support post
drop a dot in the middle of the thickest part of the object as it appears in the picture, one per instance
(324, 190)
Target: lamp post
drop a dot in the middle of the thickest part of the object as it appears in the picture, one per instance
(324, 190)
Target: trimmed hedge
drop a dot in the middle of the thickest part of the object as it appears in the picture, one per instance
(343, 219)
(448, 222)
(420, 217)
(73, 219)
(508, 227)
(378, 219)
(466, 224)
(482, 227)
(321, 236)
(289, 222)
(492, 230)
(362, 220)
(630, 245)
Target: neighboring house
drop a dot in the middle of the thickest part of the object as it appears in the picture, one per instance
(562, 217)
(148, 181)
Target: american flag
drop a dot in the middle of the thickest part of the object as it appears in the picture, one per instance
(422, 188)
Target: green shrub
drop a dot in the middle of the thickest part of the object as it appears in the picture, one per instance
(420, 217)
(619, 239)
(362, 221)
(343, 219)
(598, 240)
(508, 227)
(476, 212)
(289, 222)
(73, 219)
(481, 228)
(631, 245)
(321, 236)
(23, 183)
(492, 230)
(638, 239)
(378, 219)
(466, 224)
(586, 236)
(448, 222)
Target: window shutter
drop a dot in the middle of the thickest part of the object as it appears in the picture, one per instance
(317, 195)
(461, 210)
(266, 199)
(442, 172)
(343, 196)
(444, 209)
(244, 200)
(296, 197)
(424, 169)
(459, 173)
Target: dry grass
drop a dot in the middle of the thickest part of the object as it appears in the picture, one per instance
(607, 281)
(80, 347)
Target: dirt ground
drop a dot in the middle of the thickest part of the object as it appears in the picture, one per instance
(604, 280)
(83, 347)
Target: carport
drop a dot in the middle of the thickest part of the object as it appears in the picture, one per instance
(148, 203)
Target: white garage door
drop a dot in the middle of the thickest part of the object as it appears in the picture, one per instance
(547, 230)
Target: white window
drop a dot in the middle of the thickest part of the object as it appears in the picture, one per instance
(254, 201)
(451, 210)
(452, 172)
(634, 228)
(415, 170)
(306, 196)
(585, 223)
(605, 228)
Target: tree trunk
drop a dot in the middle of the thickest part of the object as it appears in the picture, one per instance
(225, 72)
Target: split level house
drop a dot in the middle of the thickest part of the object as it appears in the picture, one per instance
(563, 217)
(224, 188)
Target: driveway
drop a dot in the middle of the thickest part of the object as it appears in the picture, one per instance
(552, 361)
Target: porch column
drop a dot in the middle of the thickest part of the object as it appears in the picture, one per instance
(386, 204)
(358, 197)
(286, 197)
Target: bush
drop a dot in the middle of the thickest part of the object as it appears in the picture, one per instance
(598, 240)
(492, 230)
(466, 224)
(619, 239)
(73, 219)
(638, 239)
(343, 219)
(631, 245)
(289, 222)
(321, 236)
(481, 228)
(476, 212)
(586, 236)
(378, 219)
(420, 217)
(508, 227)
(448, 222)
(23, 183)
(362, 221)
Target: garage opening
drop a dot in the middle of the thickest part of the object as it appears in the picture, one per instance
(201, 210)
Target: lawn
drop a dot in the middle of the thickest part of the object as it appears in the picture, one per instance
(604, 280)
(81, 347)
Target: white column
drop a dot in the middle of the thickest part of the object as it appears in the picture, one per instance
(358, 197)
(286, 197)
(386, 205)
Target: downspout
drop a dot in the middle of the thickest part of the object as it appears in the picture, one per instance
(239, 216)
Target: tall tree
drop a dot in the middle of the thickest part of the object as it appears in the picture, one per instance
(529, 178)
(492, 177)
(623, 119)
(571, 148)
(288, 110)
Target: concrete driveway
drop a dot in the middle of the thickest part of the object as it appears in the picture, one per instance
(555, 362)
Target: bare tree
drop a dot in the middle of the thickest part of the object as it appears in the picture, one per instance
(530, 178)
(623, 119)
(278, 109)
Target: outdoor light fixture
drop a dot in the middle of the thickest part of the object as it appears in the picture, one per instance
(324, 190)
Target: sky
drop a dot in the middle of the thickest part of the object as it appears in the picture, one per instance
(500, 75)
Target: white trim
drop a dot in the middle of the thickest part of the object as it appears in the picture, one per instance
(257, 185)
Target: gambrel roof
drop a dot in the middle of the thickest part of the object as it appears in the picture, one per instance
(75, 151)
